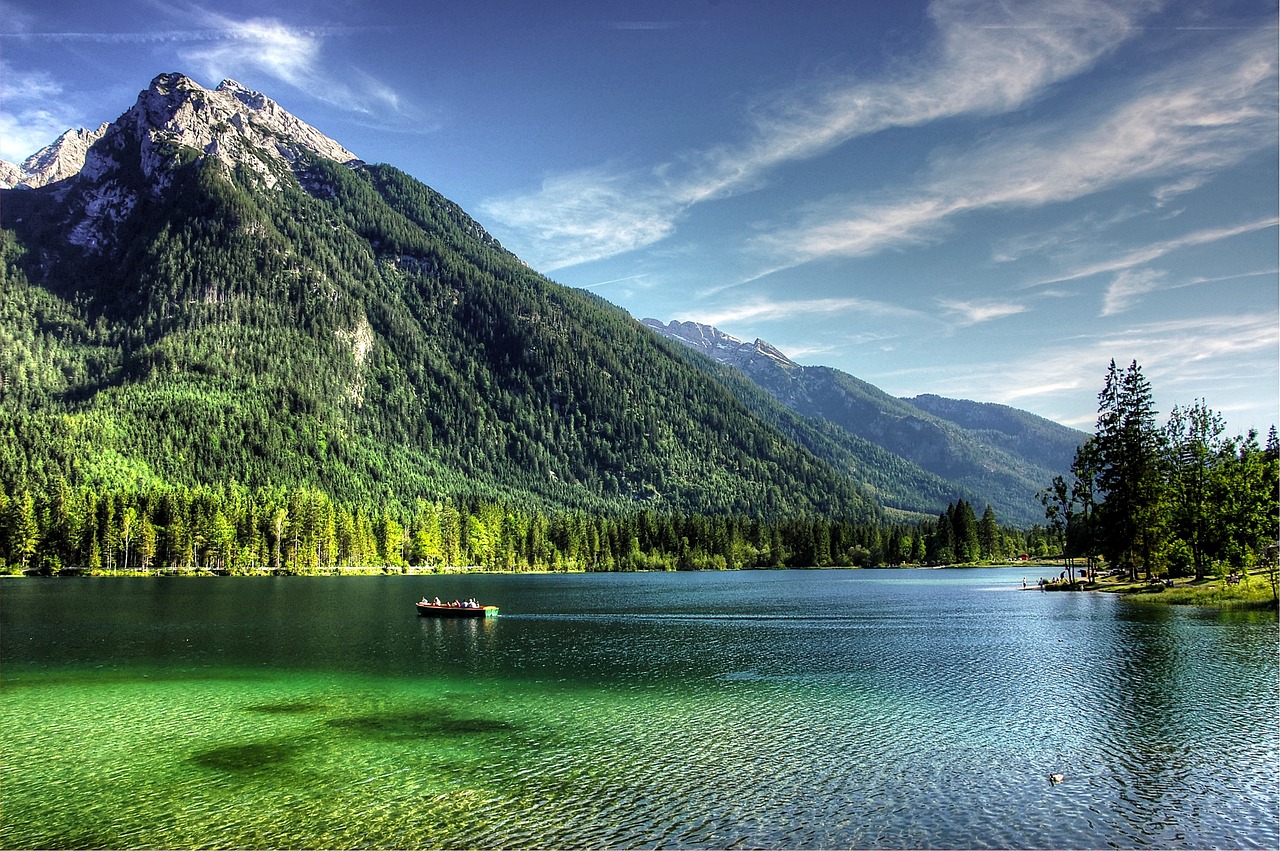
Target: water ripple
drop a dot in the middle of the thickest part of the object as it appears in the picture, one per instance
(699, 719)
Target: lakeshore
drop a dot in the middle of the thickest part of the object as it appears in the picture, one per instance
(1251, 590)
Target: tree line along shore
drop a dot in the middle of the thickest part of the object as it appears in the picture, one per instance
(231, 529)
(1153, 506)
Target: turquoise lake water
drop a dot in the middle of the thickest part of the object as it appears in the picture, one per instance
(800, 709)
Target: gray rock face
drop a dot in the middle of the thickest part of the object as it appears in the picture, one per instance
(723, 347)
(64, 158)
(236, 127)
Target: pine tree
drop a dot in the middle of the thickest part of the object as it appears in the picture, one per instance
(1194, 437)
(23, 530)
(1128, 449)
(942, 543)
(989, 534)
(964, 524)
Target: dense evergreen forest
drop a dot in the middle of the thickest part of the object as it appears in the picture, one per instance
(364, 338)
(1182, 499)
(232, 529)
(348, 370)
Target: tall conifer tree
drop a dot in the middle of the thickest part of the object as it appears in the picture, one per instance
(1128, 454)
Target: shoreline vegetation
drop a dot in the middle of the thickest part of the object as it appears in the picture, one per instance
(234, 529)
(1256, 590)
(1181, 513)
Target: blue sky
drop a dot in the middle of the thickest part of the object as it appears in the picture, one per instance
(984, 200)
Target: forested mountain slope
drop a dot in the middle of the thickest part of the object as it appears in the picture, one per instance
(220, 294)
(925, 452)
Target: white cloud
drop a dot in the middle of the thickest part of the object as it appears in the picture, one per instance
(1206, 116)
(1185, 359)
(986, 58)
(263, 44)
(1154, 251)
(220, 46)
(765, 310)
(976, 312)
(565, 223)
(1128, 286)
(294, 55)
(1072, 238)
(32, 116)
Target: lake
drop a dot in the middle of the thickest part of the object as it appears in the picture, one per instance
(789, 709)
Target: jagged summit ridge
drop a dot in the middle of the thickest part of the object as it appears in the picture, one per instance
(232, 125)
(58, 161)
(723, 347)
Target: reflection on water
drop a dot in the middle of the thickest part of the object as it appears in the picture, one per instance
(790, 709)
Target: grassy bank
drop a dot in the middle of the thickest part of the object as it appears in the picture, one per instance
(1253, 591)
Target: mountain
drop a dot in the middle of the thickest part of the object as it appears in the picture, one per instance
(64, 158)
(944, 448)
(1041, 441)
(208, 291)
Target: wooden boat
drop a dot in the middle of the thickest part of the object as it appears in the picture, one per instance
(446, 610)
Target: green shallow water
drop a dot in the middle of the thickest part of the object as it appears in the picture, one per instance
(242, 759)
(237, 759)
(919, 710)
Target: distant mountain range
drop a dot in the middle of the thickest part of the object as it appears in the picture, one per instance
(210, 291)
(981, 451)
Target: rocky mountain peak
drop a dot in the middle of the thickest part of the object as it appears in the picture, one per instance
(64, 158)
(720, 346)
(233, 125)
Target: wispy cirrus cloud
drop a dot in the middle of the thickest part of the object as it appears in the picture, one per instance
(566, 222)
(33, 114)
(978, 311)
(985, 58)
(217, 46)
(774, 310)
(162, 36)
(1204, 117)
(988, 58)
(1154, 251)
(1180, 357)
(286, 53)
(291, 54)
(1128, 286)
